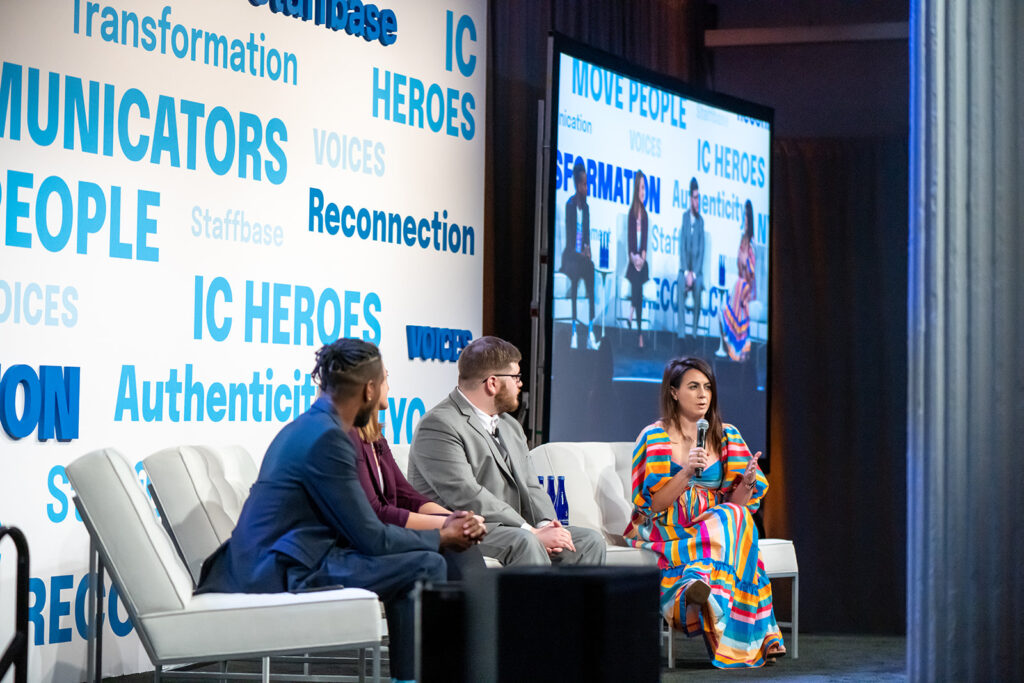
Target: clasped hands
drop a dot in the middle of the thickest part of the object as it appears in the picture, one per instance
(554, 537)
(462, 529)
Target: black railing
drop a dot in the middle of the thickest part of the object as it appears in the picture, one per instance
(16, 654)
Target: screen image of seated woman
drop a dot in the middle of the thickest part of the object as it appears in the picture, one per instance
(736, 314)
(692, 507)
(636, 265)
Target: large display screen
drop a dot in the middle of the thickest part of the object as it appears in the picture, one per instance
(658, 208)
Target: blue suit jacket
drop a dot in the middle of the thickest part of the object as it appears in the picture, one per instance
(306, 501)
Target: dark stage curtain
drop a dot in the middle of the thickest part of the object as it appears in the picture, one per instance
(839, 375)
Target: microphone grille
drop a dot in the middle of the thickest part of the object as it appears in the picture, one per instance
(702, 424)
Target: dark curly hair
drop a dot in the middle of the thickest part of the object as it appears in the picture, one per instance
(346, 365)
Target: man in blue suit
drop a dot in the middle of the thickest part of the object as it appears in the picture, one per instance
(307, 523)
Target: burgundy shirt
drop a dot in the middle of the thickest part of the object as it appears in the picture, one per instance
(391, 495)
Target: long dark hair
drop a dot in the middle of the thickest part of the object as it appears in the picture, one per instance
(748, 229)
(671, 379)
(637, 205)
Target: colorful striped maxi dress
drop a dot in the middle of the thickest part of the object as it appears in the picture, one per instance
(736, 313)
(701, 537)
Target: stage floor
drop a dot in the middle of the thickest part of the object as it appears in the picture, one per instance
(822, 658)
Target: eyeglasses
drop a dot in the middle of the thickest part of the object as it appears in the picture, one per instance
(518, 377)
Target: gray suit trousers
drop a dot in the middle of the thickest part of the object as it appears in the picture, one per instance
(519, 547)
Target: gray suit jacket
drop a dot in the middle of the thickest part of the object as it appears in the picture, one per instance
(691, 245)
(455, 462)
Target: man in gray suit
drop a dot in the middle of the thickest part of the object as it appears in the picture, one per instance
(691, 259)
(470, 454)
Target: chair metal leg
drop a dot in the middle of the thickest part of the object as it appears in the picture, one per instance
(670, 643)
(362, 665)
(90, 647)
(156, 673)
(266, 670)
(376, 664)
(796, 615)
(94, 647)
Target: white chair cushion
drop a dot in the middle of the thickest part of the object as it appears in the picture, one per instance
(624, 556)
(779, 557)
(231, 472)
(201, 491)
(568, 460)
(141, 556)
(559, 286)
(592, 486)
(597, 498)
(219, 624)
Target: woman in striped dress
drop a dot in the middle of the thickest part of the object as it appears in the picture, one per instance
(736, 312)
(692, 507)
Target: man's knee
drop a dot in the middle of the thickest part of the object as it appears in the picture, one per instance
(524, 548)
(590, 545)
(430, 565)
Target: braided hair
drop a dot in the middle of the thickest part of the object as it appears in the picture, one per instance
(346, 365)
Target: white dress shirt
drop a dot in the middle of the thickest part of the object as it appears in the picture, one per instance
(488, 422)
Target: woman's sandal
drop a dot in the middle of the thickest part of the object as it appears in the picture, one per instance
(773, 654)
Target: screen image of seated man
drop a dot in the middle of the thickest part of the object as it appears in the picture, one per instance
(307, 524)
(691, 259)
(469, 452)
(577, 263)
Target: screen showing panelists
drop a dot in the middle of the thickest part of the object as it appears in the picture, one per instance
(660, 230)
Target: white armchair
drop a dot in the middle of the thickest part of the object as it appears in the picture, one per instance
(176, 627)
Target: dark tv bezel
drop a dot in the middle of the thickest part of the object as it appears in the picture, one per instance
(558, 45)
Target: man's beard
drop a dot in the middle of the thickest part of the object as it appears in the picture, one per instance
(365, 413)
(506, 400)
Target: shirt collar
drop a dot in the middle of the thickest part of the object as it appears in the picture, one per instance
(489, 422)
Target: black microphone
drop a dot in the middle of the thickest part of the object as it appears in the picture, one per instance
(702, 432)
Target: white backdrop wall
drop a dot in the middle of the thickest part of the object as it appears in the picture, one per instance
(195, 196)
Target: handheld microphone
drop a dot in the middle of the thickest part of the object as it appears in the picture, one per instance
(702, 432)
